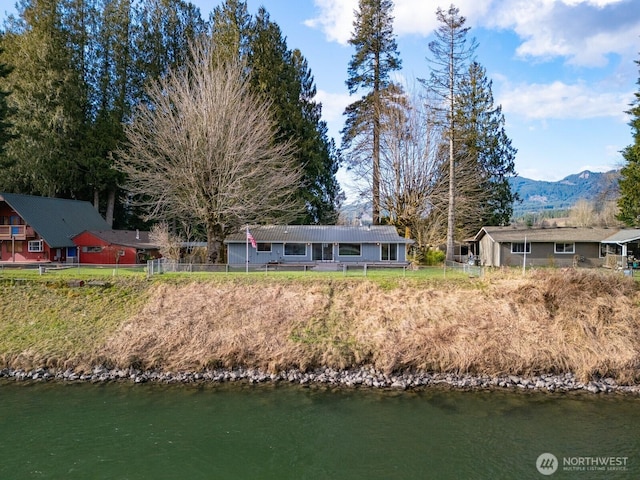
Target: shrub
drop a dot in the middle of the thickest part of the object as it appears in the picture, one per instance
(433, 256)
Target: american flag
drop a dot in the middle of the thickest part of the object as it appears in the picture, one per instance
(251, 239)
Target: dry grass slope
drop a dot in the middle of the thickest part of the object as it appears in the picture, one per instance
(583, 321)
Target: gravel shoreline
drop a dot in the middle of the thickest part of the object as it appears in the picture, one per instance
(364, 377)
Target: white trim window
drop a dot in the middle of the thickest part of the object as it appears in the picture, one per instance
(569, 248)
(295, 249)
(389, 252)
(519, 247)
(35, 246)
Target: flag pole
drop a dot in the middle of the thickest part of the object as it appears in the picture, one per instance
(246, 240)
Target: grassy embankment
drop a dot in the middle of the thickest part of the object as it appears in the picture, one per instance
(551, 321)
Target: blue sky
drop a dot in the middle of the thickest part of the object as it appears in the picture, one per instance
(563, 70)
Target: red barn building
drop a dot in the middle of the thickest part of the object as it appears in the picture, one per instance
(110, 247)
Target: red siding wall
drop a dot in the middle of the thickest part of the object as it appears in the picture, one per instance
(18, 250)
(108, 254)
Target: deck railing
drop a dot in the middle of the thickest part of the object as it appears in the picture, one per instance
(18, 232)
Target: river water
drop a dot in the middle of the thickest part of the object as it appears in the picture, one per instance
(233, 431)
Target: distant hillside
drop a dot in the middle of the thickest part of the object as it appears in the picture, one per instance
(539, 195)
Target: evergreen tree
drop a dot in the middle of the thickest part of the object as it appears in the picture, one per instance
(283, 78)
(370, 69)
(484, 155)
(450, 56)
(5, 111)
(164, 30)
(629, 201)
(112, 94)
(230, 30)
(49, 99)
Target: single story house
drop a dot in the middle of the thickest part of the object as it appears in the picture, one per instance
(115, 247)
(552, 246)
(41, 229)
(312, 244)
(624, 247)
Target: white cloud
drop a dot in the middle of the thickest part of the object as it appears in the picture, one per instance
(582, 31)
(335, 19)
(559, 100)
(333, 104)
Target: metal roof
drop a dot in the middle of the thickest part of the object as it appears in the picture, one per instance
(320, 234)
(624, 236)
(125, 238)
(543, 235)
(56, 220)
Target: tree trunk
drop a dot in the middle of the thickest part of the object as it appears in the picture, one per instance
(111, 204)
(451, 210)
(451, 220)
(215, 239)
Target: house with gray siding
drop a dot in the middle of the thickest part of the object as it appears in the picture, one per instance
(313, 244)
(543, 247)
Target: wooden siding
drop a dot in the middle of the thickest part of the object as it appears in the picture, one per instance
(108, 255)
(544, 255)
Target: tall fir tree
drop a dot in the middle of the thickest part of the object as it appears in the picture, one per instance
(484, 154)
(49, 99)
(5, 111)
(112, 84)
(370, 68)
(629, 201)
(163, 33)
(451, 52)
(230, 30)
(282, 76)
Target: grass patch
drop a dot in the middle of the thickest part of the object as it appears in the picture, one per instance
(53, 324)
(583, 321)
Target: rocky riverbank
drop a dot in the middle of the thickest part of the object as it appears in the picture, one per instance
(365, 377)
(552, 330)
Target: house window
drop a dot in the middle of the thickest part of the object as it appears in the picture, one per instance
(389, 252)
(91, 249)
(349, 249)
(263, 247)
(565, 248)
(299, 249)
(519, 247)
(35, 246)
(610, 249)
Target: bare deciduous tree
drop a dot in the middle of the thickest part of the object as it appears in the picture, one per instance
(582, 214)
(203, 149)
(168, 243)
(411, 173)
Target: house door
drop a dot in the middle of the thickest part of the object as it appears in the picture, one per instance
(322, 252)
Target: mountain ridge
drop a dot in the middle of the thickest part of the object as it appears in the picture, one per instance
(536, 195)
(543, 195)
